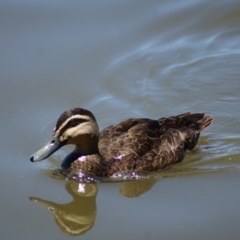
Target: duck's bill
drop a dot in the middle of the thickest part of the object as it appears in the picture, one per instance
(48, 149)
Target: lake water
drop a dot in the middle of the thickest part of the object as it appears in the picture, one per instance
(120, 59)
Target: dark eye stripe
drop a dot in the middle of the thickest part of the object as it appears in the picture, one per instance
(73, 123)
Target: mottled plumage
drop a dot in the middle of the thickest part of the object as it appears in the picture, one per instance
(136, 144)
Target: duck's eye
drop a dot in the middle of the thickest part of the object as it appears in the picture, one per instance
(75, 122)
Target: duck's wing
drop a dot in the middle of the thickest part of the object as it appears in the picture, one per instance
(130, 137)
(149, 145)
(144, 152)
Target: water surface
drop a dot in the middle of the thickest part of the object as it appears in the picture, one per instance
(119, 60)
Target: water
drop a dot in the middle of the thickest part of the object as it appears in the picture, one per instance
(119, 60)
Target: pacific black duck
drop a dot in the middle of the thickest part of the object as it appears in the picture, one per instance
(134, 145)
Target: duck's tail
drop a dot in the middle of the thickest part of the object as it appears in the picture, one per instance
(205, 122)
(194, 125)
(195, 121)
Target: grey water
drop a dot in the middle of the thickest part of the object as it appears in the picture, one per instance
(120, 59)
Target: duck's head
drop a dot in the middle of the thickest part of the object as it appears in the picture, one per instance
(76, 126)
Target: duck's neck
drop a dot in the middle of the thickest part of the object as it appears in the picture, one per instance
(79, 151)
(87, 149)
(67, 161)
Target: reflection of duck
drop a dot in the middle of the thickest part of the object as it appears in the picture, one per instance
(133, 189)
(134, 145)
(77, 217)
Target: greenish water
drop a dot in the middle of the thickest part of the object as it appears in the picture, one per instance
(119, 60)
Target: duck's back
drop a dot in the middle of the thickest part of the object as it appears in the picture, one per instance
(142, 144)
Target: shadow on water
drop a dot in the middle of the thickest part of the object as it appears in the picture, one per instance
(78, 216)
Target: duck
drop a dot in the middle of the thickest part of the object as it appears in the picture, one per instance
(134, 145)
